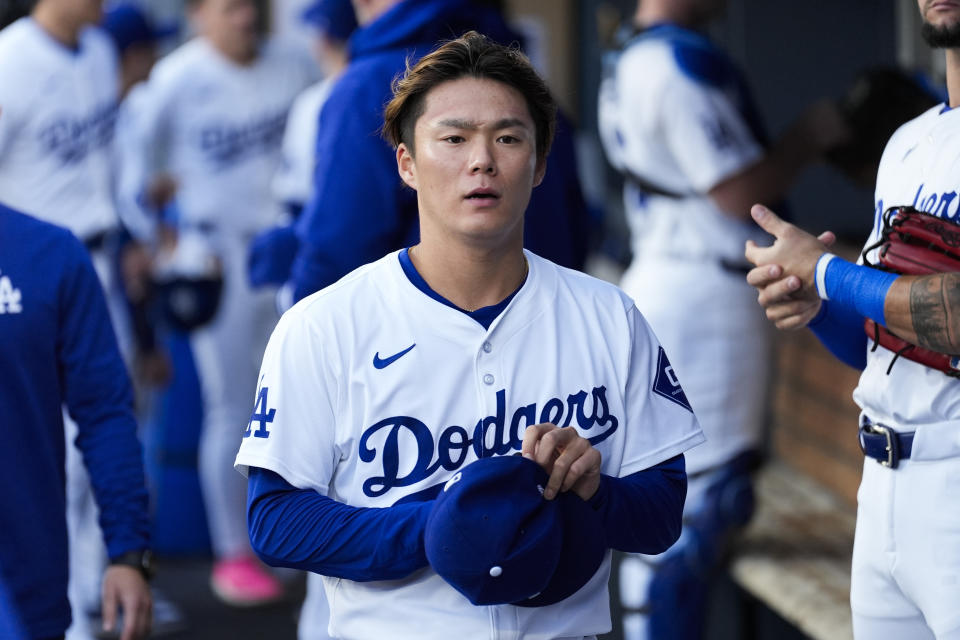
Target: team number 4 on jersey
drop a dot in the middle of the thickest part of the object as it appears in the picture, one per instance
(261, 415)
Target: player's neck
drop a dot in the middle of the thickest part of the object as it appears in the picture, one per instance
(651, 13)
(470, 278)
(953, 76)
(235, 55)
(56, 26)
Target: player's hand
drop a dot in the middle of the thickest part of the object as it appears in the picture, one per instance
(153, 367)
(785, 306)
(793, 249)
(124, 589)
(136, 263)
(569, 458)
(787, 302)
(161, 190)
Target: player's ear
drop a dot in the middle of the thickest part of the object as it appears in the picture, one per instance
(539, 171)
(407, 166)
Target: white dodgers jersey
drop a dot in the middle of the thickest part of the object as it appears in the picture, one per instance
(920, 168)
(57, 111)
(376, 391)
(673, 111)
(218, 126)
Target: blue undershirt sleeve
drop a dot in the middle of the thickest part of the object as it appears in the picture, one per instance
(303, 529)
(99, 398)
(840, 329)
(642, 512)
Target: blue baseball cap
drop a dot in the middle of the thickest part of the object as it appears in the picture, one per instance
(335, 18)
(128, 25)
(494, 538)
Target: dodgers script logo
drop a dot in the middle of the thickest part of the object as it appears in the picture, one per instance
(226, 144)
(71, 139)
(380, 443)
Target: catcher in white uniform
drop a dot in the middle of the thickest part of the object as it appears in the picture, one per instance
(214, 112)
(906, 556)
(676, 118)
(377, 390)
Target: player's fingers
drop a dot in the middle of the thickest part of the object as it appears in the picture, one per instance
(769, 221)
(581, 465)
(778, 291)
(567, 442)
(783, 310)
(791, 322)
(532, 436)
(108, 607)
(754, 253)
(144, 620)
(763, 275)
(827, 238)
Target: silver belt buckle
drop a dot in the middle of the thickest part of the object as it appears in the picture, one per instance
(892, 448)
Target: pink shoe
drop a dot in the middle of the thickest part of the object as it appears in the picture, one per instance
(244, 582)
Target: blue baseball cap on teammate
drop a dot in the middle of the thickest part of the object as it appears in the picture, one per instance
(335, 18)
(494, 538)
(128, 25)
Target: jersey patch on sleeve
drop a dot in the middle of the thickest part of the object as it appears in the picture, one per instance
(665, 383)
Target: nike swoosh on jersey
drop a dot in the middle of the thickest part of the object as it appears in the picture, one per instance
(386, 362)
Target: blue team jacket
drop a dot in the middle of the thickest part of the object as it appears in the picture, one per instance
(57, 347)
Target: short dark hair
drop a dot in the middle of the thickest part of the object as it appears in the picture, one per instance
(475, 56)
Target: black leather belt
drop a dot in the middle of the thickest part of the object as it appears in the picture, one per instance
(886, 446)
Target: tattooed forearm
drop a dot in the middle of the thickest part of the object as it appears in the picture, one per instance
(935, 312)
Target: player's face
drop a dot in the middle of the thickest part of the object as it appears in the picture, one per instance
(474, 163)
(81, 12)
(941, 22)
(231, 25)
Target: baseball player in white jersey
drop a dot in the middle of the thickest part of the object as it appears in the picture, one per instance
(375, 391)
(906, 557)
(215, 109)
(58, 95)
(677, 119)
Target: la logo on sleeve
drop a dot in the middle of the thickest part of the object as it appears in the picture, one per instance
(666, 384)
(9, 296)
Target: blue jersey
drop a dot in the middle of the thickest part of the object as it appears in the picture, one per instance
(57, 348)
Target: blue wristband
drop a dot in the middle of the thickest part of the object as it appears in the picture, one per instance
(862, 288)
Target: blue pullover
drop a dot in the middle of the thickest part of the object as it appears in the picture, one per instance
(57, 347)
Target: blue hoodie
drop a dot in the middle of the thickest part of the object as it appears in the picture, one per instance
(360, 209)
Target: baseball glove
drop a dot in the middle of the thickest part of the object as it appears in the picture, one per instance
(914, 243)
(875, 105)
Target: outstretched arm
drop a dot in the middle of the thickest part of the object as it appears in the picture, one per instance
(924, 310)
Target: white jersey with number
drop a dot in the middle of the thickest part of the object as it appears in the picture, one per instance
(217, 127)
(919, 168)
(57, 111)
(371, 390)
(673, 110)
